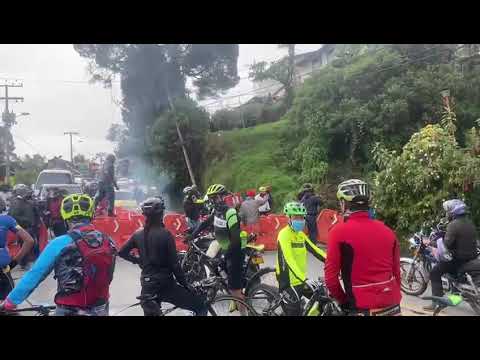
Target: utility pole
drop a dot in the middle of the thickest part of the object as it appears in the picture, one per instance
(71, 133)
(185, 154)
(8, 119)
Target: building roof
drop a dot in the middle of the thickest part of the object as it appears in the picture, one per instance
(314, 55)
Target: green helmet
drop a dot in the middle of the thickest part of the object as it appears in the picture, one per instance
(294, 208)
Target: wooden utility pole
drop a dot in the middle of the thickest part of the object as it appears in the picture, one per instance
(8, 120)
(71, 133)
(185, 154)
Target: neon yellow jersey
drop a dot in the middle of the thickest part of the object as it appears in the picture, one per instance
(291, 267)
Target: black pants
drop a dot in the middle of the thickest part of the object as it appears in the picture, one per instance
(106, 191)
(59, 228)
(440, 269)
(6, 284)
(311, 221)
(173, 294)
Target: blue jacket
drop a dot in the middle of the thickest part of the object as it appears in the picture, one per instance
(40, 270)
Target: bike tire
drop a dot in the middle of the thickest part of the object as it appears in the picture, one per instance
(261, 299)
(221, 306)
(405, 286)
(263, 276)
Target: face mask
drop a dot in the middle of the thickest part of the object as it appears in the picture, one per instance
(298, 225)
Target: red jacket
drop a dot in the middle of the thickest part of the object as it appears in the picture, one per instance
(367, 254)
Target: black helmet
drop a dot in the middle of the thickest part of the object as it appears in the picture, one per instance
(153, 206)
(110, 157)
(21, 190)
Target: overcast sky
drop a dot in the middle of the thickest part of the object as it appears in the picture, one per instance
(59, 98)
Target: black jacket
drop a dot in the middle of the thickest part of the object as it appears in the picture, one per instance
(158, 255)
(461, 238)
(192, 210)
(312, 202)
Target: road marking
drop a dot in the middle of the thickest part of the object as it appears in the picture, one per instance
(278, 223)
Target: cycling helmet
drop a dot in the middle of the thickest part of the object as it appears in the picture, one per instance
(21, 190)
(187, 190)
(262, 189)
(216, 189)
(294, 208)
(307, 186)
(77, 206)
(354, 190)
(153, 206)
(454, 208)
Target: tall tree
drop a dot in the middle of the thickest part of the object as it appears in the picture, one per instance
(282, 70)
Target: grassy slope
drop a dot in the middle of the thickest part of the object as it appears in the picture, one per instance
(248, 158)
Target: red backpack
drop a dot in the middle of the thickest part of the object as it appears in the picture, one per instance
(84, 270)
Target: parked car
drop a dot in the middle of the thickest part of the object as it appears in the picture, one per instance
(125, 199)
(70, 189)
(52, 176)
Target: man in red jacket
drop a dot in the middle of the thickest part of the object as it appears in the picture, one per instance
(366, 253)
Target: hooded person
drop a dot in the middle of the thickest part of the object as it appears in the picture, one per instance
(106, 184)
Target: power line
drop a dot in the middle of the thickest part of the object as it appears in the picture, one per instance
(26, 142)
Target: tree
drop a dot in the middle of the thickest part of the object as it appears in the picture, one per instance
(411, 186)
(150, 74)
(164, 146)
(282, 70)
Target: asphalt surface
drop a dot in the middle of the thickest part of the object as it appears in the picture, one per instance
(126, 286)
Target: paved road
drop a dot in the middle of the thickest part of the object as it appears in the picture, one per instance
(125, 287)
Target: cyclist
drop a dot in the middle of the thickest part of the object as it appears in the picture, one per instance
(23, 210)
(192, 205)
(159, 264)
(7, 263)
(83, 261)
(291, 267)
(226, 224)
(460, 241)
(263, 194)
(367, 254)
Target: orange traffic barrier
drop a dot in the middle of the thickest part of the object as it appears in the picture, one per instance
(326, 220)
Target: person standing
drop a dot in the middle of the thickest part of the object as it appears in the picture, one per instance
(249, 212)
(107, 184)
(54, 218)
(313, 204)
(366, 253)
(265, 209)
(192, 206)
(162, 276)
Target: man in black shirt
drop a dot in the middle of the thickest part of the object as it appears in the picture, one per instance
(312, 203)
(161, 272)
(106, 184)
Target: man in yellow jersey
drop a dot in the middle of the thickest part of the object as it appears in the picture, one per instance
(291, 268)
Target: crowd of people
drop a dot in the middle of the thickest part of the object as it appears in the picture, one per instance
(362, 252)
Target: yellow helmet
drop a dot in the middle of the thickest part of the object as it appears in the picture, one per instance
(262, 189)
(216, 189)
(77, 205)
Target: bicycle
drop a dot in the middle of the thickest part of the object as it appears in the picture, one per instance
(218, 305)
(41, 310)
(318, 304)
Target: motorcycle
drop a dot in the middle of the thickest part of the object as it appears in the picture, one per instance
(415, 272)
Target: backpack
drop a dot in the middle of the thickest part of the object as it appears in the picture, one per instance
(84, 269)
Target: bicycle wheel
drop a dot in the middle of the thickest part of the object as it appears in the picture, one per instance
(265, 276)
(227, 305)
(262, 298)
